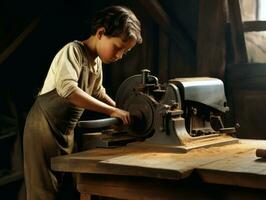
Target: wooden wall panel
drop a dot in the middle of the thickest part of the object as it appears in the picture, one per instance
(250, 109)
(211, 38)
(246, 94)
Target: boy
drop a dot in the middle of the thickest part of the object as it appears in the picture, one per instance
(74, 83)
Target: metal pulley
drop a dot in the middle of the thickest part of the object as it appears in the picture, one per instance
(130, 98)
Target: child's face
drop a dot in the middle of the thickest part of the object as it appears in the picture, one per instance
(111, 49)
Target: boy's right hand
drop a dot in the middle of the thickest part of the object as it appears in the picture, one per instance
(121, 114)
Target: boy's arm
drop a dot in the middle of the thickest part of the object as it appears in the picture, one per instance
(107, 99)
(81, 99)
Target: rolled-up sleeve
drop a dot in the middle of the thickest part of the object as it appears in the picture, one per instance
(68, 70)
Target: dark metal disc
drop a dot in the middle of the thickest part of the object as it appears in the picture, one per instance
(141, 108)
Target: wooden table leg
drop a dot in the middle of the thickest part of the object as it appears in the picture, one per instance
(85, 196)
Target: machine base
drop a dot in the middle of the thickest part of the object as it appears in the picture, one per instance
(219, 141)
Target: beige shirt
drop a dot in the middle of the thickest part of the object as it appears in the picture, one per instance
(66, 67)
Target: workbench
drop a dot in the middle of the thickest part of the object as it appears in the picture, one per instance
(142, 172)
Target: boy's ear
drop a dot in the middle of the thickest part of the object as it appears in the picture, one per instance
(100, 32)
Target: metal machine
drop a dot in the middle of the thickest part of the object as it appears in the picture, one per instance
(182, 114)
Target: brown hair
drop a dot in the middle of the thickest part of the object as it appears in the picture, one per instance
(118, 21)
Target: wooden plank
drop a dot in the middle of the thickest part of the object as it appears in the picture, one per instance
(13, 176)
(238, 40)
(184, 163)
(250, 26)
(243, 169)
(246, 92)
(231, 165)
(148, 162)
(154, 8)
(164, 45)
(211, 38)
(246, 76)
(89, 162)
(252, 125)
(9, 50)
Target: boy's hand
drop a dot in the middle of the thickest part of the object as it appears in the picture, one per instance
(123, 115)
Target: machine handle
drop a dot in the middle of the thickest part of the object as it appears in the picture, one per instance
(100, 123)
(261, 153)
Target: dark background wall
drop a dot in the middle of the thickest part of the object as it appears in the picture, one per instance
(62, 21)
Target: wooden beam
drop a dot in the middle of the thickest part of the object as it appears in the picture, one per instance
(12, 47)
(250, 26)
(163, 57)
(211, 38)
(154, 8)
(238, 40)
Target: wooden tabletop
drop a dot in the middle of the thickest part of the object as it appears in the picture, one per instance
(232, 164)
